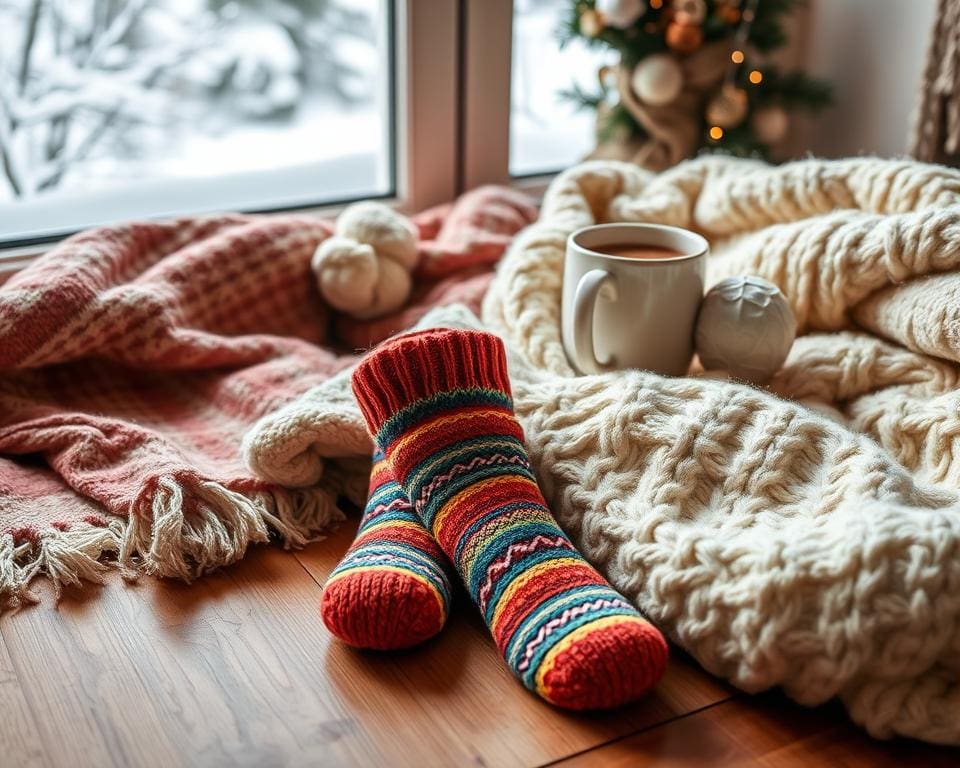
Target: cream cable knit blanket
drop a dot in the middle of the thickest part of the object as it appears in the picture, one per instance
(813, 548)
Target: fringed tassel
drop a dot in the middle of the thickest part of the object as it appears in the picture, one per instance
(66, 557)
(178, 527)
(14, 577)
(184, 528)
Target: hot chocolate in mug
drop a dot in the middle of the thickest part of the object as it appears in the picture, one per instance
(631, 293)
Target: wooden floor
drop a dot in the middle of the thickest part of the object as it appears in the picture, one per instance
(237, 670)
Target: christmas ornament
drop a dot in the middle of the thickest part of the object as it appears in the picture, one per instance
(683, 38)
(621, 13)
(591, 24)
(651, 116)
(689, 11)
(657, 80)
(728, 12)
(770, 124)
(728, 108)
(745, 327)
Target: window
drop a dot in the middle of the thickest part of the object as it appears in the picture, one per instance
(113, 109)
(119, 109)
(548, 132)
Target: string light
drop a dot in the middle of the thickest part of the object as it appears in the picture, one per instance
(756, 76)
(737, 57)
(655, 4)
(716, 133)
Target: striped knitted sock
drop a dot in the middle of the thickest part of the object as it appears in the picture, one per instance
(439, 404)
(392, 589)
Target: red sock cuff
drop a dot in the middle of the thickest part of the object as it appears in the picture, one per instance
(418, 365)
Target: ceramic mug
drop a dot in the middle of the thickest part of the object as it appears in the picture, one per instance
(622, 312)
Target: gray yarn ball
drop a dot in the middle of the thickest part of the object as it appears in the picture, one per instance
(745, 327)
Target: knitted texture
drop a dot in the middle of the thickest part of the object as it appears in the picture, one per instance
(813, 544)
(439, 404)
(773, 544)
(391, 589)
(134, 358)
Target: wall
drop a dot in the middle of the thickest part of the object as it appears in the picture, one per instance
(873, 51)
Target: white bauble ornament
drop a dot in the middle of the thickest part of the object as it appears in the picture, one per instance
(728, 108)
(745, 327)
(591, 24)
(770, 124)
(657, 80)
(689, 11)
(621, 13)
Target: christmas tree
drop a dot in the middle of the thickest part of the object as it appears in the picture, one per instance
(693, 75)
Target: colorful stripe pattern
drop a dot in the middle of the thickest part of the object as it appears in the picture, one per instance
(392, 589)
(439, 403)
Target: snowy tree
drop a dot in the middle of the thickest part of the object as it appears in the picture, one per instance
(81, 77)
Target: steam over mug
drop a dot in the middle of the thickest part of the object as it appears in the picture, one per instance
(632, 312)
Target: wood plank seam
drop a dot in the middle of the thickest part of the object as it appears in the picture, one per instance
(637, 732)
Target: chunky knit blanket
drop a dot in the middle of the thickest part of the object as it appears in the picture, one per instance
(807, 536)
(134, 358)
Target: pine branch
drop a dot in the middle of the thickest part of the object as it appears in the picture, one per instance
(793, 90)
(766, 31)
(619, 124)
(580, 98)
(739, 142)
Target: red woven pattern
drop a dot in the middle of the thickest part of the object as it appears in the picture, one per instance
(133, 358)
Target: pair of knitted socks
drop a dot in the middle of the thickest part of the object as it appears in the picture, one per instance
(452, 483)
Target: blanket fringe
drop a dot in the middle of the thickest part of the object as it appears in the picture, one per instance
(67, 557)
(182, 529)
(187, 528)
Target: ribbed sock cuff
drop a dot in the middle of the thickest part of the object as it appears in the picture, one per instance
(418, 365)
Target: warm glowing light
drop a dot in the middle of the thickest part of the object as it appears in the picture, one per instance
(737, 57)
(656, 4)
(756, 76)
(716, 133)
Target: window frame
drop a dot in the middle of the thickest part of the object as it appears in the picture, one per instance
(450, 115)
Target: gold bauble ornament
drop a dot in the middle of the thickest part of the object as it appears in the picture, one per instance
(770, 124)
(657, 79)
(591, 23)
(728, 108)
(684, 38)
(728, 10)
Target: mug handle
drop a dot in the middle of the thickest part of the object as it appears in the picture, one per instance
(584, 304)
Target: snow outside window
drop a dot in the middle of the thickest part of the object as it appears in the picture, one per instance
(116, 109)
(548, 132)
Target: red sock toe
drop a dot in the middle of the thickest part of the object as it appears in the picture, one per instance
(604, 667)
(382, 609)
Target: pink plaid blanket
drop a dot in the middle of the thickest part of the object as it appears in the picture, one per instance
(133, 359)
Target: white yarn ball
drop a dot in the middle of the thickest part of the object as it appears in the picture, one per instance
(745, 327)
(657, 80)
(364, 269)
(392, 235)
(621, 13)
(770, 124)
(347, 273)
